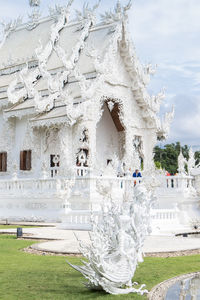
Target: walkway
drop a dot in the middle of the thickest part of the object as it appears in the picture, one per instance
(64, 241)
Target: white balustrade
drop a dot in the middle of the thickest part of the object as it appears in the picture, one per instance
(177, 182)
(78, 219)
(31, 185)
(54, 171)
(164, 214)
(49, 184)
(82, 171)
(84, 181)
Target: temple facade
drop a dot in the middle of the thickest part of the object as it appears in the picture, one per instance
(73, 99)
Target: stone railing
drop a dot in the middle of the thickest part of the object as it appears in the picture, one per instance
(119, 183)
(176, 182)
(80, 219)
(56, 184)
(77, 219)
(164, 214)
(83, 180)
(79, 171)
(82, 171)
(48, 185)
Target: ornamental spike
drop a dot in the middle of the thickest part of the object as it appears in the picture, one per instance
(34, 3)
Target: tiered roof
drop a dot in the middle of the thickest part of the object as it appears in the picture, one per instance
(52, 64)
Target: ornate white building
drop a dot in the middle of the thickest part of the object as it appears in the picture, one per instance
(73, 95)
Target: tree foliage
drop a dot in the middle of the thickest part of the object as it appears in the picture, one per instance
(197, 157)
(167, 157)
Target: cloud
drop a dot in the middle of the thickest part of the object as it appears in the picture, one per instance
(166, 30)
(186, 123)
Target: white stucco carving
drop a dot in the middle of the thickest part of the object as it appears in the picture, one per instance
(8, 28)
(191, 161)
(181, 163)
(116, 240)
(34, 2)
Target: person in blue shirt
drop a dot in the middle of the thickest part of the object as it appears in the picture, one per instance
(137, 173)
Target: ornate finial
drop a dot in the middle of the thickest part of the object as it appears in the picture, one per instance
(119, 13)
(87, 12)
(35, 14)
(34, 3)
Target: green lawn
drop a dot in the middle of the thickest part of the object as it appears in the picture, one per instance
(25, 277)
(16, 226)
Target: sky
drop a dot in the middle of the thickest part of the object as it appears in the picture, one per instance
(165, 33)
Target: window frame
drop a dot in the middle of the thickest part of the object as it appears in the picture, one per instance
(3, 161)
(25, 160)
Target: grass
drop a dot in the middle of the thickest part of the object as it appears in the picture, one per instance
(25, 276)
(16, 226)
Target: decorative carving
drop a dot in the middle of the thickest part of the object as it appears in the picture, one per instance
(87, 12)
(82, 155)
(33, 77)
(119, 13)
(191, 161)
(138, 152)
(110, 105)
(138, 145)
(82, 158)
(181, 163)
(51, 139)
(14, 172)
(9, 27)
(164, 127)
(33, 19)
(117, 239)
(34, 3)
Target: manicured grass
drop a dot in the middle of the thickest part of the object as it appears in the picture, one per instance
(16, 226)
(25, 276)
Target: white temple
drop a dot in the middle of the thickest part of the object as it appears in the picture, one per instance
(73, 99)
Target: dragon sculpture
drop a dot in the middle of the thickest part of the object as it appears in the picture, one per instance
(116, 239)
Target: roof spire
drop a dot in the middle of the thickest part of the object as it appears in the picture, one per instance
(34, 3)
(35, 14)
(119, 13)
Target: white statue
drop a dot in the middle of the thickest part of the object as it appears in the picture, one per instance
(181, 163)
(116, 242)
(191, 162)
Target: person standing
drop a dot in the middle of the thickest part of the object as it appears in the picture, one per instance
(136, 174)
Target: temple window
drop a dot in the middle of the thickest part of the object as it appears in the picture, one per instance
(109, 161)
(54, 164)
(25, 160)
(82, 158)
(3, 162)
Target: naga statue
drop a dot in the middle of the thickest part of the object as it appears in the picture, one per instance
(116, 241)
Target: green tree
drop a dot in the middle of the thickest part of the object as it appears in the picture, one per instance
(158, 165)
(168, 156)
(197, 157)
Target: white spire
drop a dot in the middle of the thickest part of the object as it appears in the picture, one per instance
(34, 15)
(34, 3)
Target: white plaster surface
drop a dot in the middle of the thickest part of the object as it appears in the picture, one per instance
(107, 138)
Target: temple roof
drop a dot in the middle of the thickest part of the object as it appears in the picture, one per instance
(56, 60)
(25, 42)
(57, 115)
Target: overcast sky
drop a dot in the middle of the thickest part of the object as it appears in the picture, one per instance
(165, 33)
